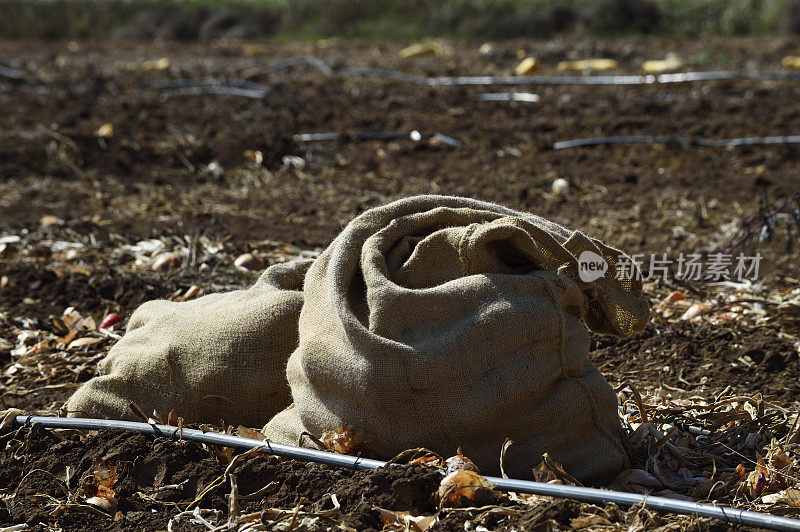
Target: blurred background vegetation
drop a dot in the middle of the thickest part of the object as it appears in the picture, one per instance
(392, 19)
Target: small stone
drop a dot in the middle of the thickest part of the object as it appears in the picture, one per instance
(105, 131)
(560, 187)
(215, 169)
(486, 48)
(48, 220)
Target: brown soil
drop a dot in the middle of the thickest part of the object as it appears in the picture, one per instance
(36, 291)
(703, 358)
(152, 173)
(151, 179)
(157, 476)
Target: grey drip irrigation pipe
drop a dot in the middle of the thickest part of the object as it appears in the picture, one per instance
(591, 495)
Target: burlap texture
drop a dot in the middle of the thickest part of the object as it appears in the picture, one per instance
(219, 357)
(443, 322)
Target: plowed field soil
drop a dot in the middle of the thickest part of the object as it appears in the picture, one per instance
(98, 153)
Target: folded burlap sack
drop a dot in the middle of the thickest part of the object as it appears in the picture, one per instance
(219, 357)
(446, 322)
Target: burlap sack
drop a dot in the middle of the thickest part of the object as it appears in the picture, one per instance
(443, 322)
(219, 357)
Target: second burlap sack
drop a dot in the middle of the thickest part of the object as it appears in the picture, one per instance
(446, 322)
(219, 358)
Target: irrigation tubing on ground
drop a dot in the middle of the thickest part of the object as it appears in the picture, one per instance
(649, 79)
(591, 495)
(623, 79)
(301, 60)
(16, 76)
(527, 97)
(385, 74)
(237, 87)
(542, 80)
(219, 90)
(683, 141)
(378, 135)
(181, 83)
(216, 82)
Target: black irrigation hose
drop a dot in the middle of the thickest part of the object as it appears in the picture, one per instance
(576, 143)
(221, 86)
(181, 83)
(378, 135)
(540, 80)
(615, 80)
(682, 77)
(15, 76)
(590, 495)
(220, 90)
(526, 97)
(384, 74)
(682, 141)
(301, 60)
